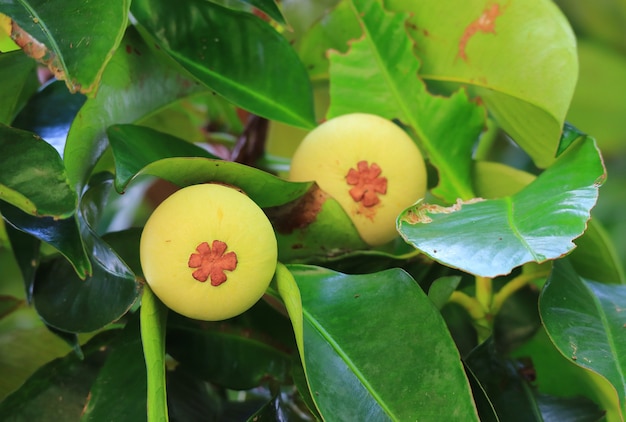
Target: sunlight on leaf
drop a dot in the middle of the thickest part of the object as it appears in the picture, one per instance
(491, 237)
(378, 75)
(238, 55)
(518, 57)
(345, 382)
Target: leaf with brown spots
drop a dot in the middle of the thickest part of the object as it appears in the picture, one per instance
(75, 41)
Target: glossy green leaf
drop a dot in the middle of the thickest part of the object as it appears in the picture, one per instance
(63, 235)
(124, 370)
(75, 41)
(259, 340)
(595, 256)
(491, 237)
(360, 357)
(19, 78)
(153, 319)
(59, 389)
(441, 289)
(137, 82)
(50, 113)
(139, 151)
(32, 175)
(238, 55)
(490, 47)
(26, 251)
(584, 320)
(379, 76)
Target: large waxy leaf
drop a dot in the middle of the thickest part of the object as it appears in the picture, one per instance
(234, 53)
(70, 304)
(585, 321)
(491, 237)
(379, 75)
(519, 57)
(50, 113)
(364, 361)
(139, 151)
(63, 235)
(137, 82)
(260, 340)
(19, 81)
(123, 370)
(75, 41)
(32, 175)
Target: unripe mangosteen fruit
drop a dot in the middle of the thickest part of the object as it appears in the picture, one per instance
(208, 252)
(369, 165)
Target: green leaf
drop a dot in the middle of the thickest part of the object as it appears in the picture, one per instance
(153, 320)
(63, 235)
(584, 320)
(259, 340)
(124, 370)
(32, 175)
(26, 251)
(75, 41)
(237, 55)
(268, 7)
(379, 76)
(59, 389)
(138, 151)
(359, 350)
(441, 289)
(50, 113)
(491, 237)
(19, 82)
(489, 47)
(138, 81)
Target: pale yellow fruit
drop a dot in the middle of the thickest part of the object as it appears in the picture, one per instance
(330, 154)
(182, 243)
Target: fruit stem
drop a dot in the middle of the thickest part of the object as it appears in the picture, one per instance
(512, 286)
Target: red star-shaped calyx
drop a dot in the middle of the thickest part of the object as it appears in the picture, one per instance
(211, 262)
(367, 183)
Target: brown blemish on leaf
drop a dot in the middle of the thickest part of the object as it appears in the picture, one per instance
(420, 214)
(486, 23)
(298, 214)
(211, 262)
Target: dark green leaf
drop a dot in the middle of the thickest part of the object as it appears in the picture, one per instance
(260, 355)
(26, 251)
(359, 351)
(8, 304)
(19, 82)
(124, 371)
(237, 55)
(573, 409)
(49, 114)
(517, 320)
(59, 389)
(379, 76)
(442, 288)
(584, 320)
(63, 235)
(268, 7)
(512, 397)
(75, 41)
(139, 150)
(491, 237)
(134, 147)
(32, 175)
(137, 82)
